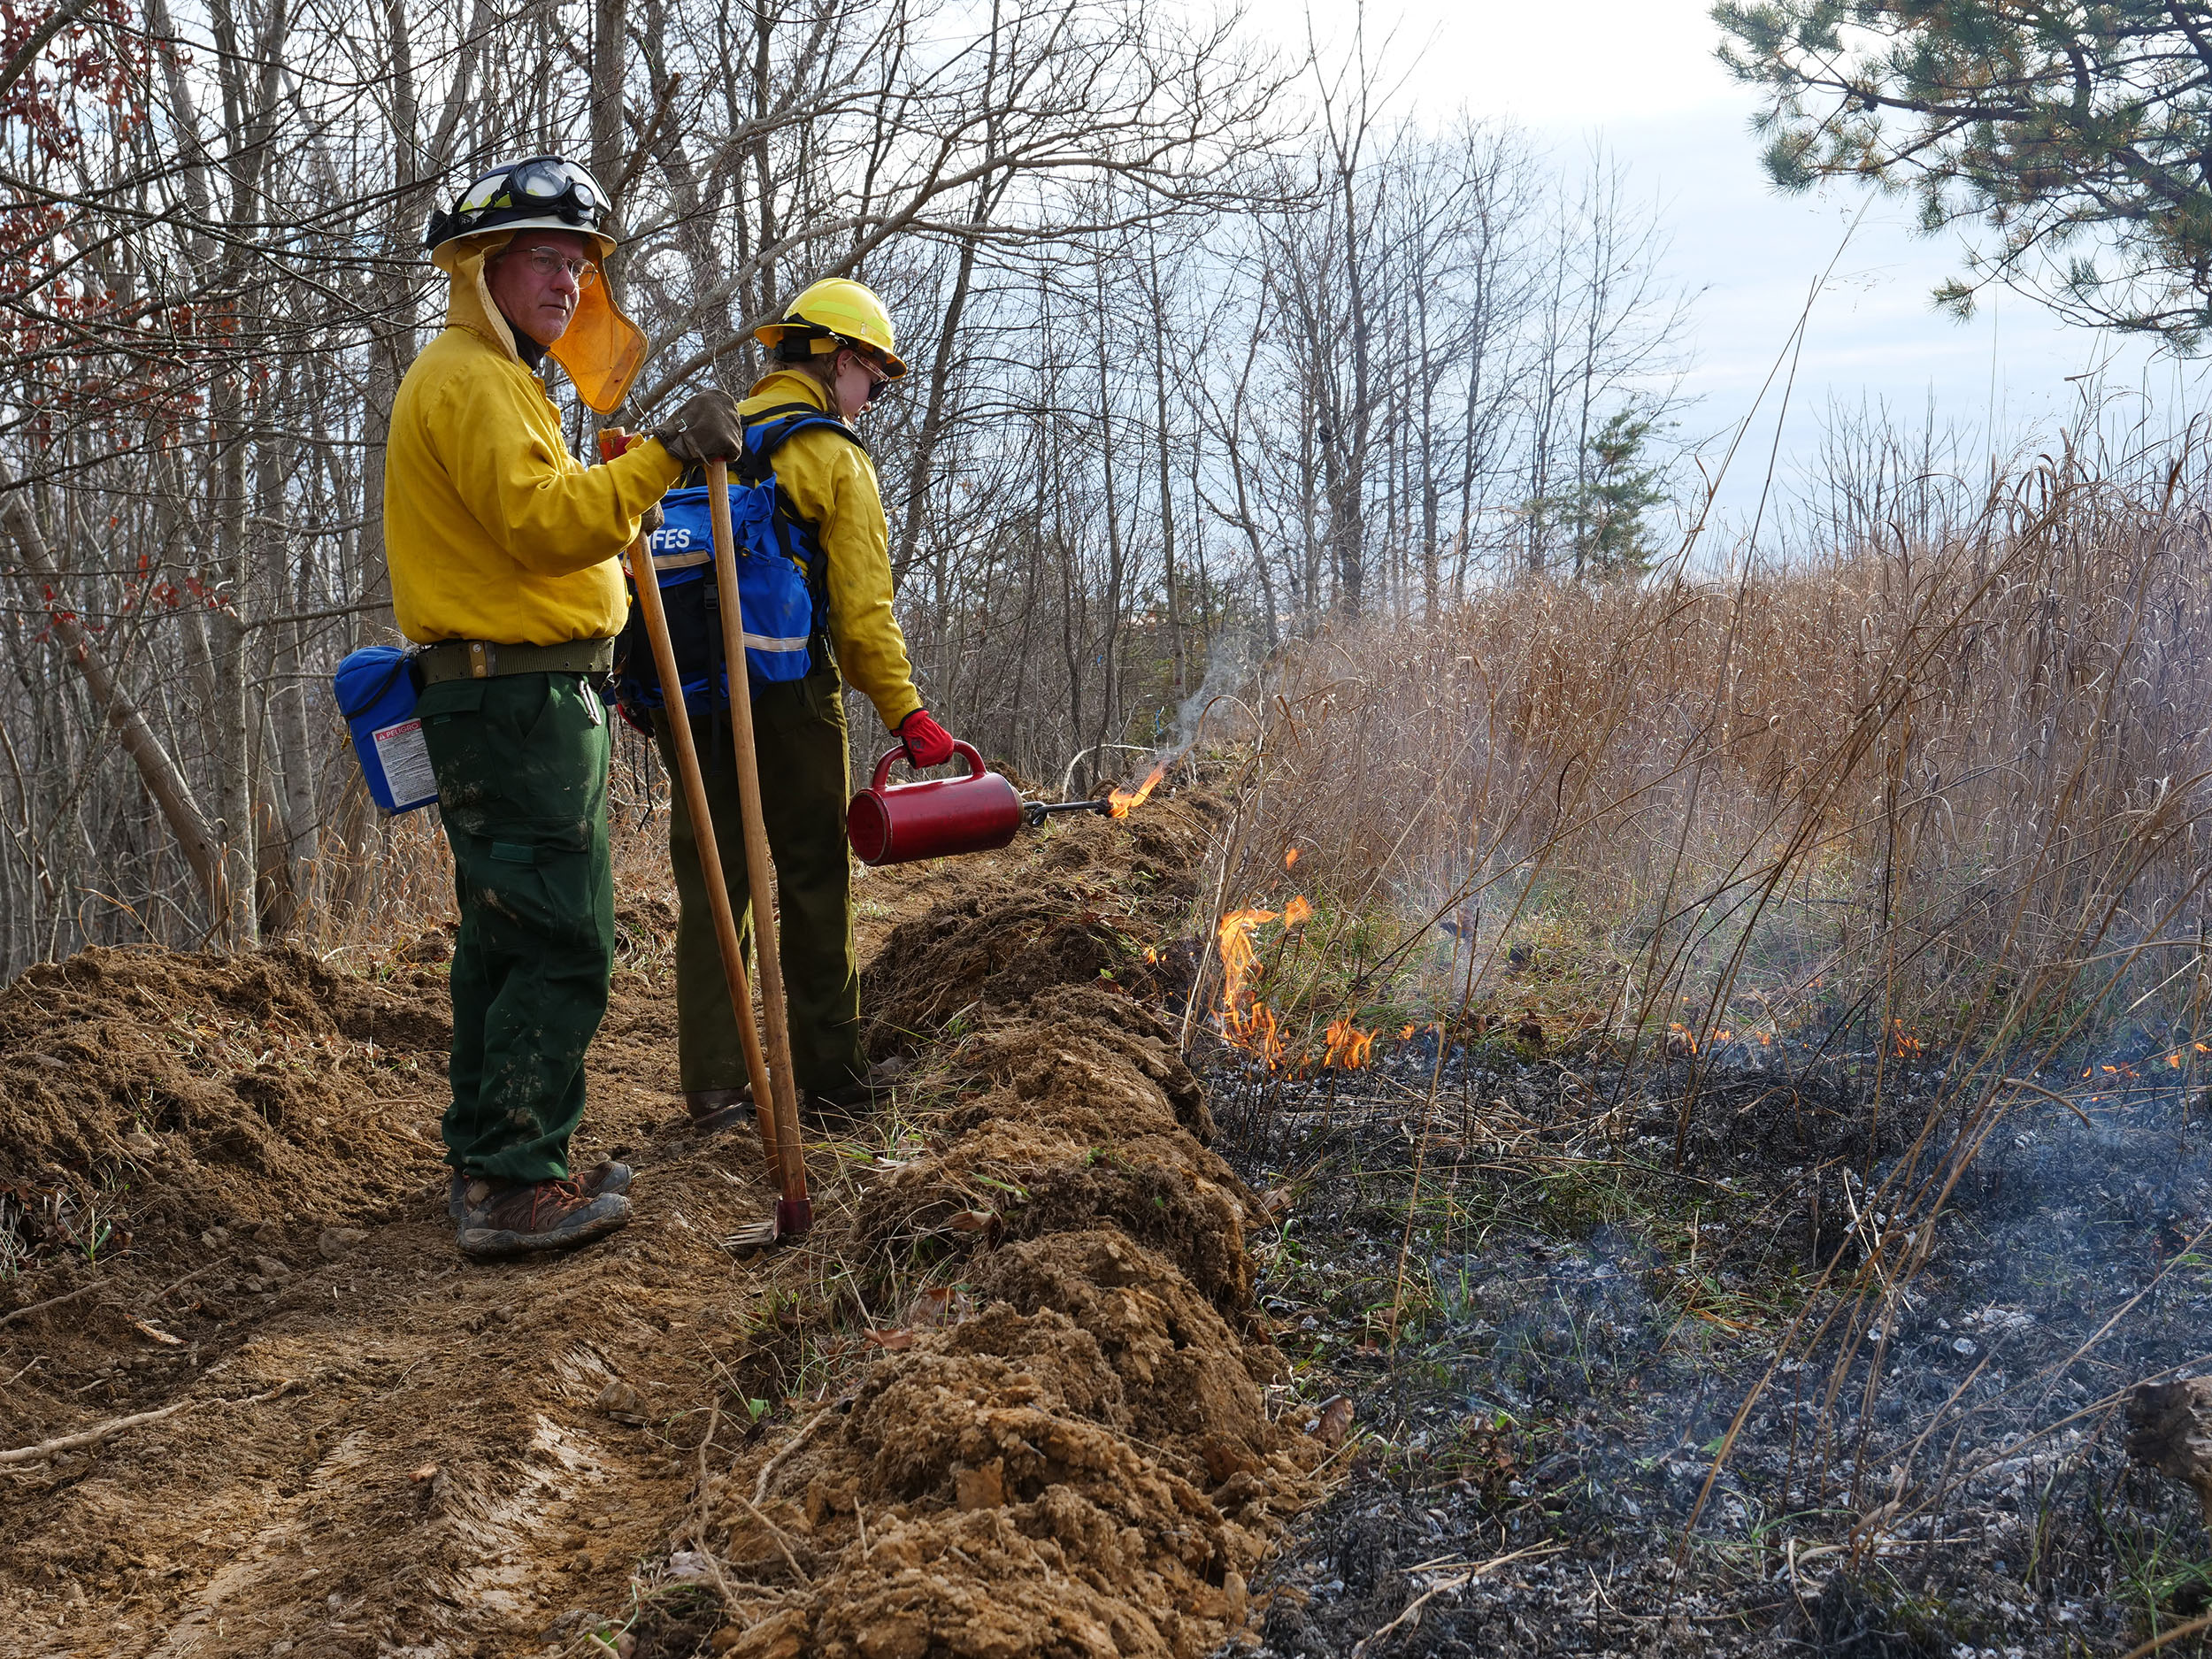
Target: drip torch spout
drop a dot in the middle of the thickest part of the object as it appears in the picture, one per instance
(1035, 812)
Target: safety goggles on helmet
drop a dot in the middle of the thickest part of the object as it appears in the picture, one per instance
(546, 191)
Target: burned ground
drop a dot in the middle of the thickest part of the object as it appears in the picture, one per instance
(1011, 1396)
(1551, 1347)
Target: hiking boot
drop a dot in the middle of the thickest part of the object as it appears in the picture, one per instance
(711, 1111)
(470, 1195)
(519, 1217)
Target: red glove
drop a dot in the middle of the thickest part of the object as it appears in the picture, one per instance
(927, 743)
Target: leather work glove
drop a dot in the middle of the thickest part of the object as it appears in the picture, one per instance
(927, 743)
(706, 428)
(654, 519)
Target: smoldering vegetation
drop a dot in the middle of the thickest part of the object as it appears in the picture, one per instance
(1727, 1058)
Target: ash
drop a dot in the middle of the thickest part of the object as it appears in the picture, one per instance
(1846, 1379)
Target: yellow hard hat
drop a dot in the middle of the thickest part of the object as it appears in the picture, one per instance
(834, 312)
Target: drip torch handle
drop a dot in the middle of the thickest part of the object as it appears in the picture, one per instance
(1035, 812)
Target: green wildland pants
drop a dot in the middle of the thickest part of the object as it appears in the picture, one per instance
(521, 761)
(799, 739)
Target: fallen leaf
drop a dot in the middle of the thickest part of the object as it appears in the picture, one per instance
(890, 1340)
(1275, 1201)
(939, 1305)
(1336, 1422)
(428, 1471)
(970, 1221)
(1223, 1459)
(622, 1403)
(157, 1333)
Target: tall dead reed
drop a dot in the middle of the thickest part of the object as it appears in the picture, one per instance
(1933, 793)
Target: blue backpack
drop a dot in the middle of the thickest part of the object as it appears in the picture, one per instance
(782, 581)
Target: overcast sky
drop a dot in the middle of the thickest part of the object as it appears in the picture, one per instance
(1640, 76)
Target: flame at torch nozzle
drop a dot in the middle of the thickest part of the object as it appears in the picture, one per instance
(1121, 803)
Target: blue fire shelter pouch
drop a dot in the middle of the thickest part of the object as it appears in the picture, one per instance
(782, 577)
(376, 690)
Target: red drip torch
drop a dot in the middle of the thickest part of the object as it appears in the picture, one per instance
(937, 817)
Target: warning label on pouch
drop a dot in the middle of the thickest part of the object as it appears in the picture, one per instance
(405, 758)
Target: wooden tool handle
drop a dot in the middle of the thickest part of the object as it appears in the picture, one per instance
(695, 789)
(795, 1214)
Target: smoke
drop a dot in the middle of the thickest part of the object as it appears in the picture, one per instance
(1233, 663)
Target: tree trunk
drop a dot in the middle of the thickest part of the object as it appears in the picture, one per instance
(164, 780)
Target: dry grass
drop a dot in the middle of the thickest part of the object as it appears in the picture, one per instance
(1950, 794)
(1934, 805)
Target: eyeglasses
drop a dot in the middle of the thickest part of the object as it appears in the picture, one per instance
(546, 261)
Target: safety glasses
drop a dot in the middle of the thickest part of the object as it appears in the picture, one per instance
(871, 364)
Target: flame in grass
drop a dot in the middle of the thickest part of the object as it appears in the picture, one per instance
(1348, 1046)
(1121, 803)
(1246, 1021)
(1290, 859)
(1902, 1044)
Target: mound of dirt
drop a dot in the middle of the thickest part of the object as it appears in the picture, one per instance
(1087, 1466)
(1082, 910)
(177, 1093)
(1083, 1112)
(1035, 1398)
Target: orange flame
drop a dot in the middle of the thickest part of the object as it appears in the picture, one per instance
(1348, 1046)
(1297, 911)
(1121, 803)
(1902, 1044)
(1246, 1021)
(1290, 859)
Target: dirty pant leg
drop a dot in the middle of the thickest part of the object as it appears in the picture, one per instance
(799, 739)
(799, 729)
(521, 762)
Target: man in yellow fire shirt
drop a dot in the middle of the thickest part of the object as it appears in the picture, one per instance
(502, 550)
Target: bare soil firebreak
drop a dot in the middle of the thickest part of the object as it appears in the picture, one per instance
(1006, 1399)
